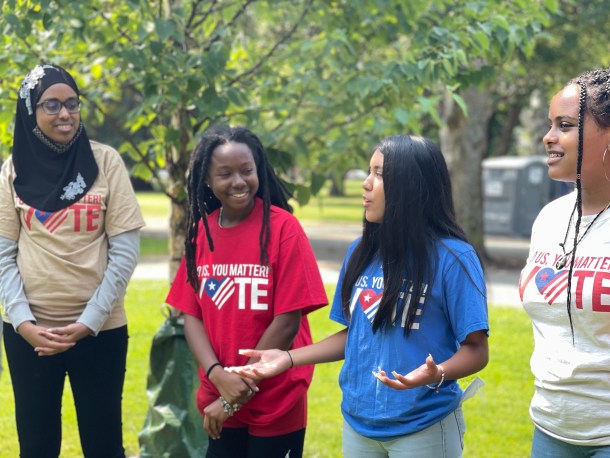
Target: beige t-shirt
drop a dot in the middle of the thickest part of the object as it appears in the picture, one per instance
(63, 255)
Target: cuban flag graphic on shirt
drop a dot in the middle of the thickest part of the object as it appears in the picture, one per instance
(219, 290)
(369, 301)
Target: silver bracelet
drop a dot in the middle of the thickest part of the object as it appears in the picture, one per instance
(438, 385)
(229, 408)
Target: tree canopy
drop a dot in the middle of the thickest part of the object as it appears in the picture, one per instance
(319, 81)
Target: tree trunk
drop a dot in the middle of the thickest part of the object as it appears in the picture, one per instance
(178, 217)
(337, 185)
(464, 142)
(502, 147)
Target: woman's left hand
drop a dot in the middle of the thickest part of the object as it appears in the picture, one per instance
(214, 417)
(426, 374)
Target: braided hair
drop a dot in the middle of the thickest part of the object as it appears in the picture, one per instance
(202, 201)
(594, 100)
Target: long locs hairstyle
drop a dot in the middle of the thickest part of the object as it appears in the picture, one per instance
(202, 201)
(594, 100)
(418, 213)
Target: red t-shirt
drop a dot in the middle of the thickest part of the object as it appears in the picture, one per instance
(238, 298)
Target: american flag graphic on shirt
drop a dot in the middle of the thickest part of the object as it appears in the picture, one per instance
(51, 220)
(219, 290)
(551, 284)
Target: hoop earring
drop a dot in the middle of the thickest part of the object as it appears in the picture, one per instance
(604, 164)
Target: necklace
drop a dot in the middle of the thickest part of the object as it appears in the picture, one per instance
(220, 219)
(561, 262)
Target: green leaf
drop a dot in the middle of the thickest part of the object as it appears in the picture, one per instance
(302, 194)
(317, 182)
(402, 116)
(164, 28)
(482, 39)
(461, 103)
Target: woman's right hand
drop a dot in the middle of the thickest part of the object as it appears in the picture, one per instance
(271, 362)
(233, 388)
(44, 343)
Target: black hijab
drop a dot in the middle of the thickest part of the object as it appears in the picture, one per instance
(49, 175)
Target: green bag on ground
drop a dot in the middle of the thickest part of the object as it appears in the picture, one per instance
(173, 428)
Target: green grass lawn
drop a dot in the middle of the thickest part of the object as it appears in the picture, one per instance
(497, 418)
(346, 208)
(154, 204)
(324, 207)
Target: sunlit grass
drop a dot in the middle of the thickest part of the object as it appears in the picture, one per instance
(153, 246)
(154, 204)
(323, 207)
(497, 419)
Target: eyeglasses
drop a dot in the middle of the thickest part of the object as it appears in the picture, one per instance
(53, 106)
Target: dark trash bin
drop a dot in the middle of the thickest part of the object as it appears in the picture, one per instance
(515, 188)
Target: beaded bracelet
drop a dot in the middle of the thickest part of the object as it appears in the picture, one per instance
(438, 385)
(207, 374)
(229, 408)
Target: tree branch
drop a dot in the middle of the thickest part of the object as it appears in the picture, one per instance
(112, 24)
(194, 11)
(350, 119)
(282, 40)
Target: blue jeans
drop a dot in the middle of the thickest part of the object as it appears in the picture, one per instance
(444, 439)
(545, 446)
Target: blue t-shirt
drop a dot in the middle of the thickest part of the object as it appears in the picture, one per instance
(455, 307)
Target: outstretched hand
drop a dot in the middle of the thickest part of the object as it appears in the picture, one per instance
(426, 374)
(270, 363)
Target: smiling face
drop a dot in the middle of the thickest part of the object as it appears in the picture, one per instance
(561, 141)
(60, 127)
(234, 180)
(374, 194)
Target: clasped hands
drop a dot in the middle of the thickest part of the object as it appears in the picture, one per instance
(234, 390)
(52, 341)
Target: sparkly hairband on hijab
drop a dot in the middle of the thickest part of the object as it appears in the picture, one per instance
(50, 176)
(30, 82)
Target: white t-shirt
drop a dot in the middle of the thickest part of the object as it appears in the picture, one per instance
(63, 255)
(572, 377)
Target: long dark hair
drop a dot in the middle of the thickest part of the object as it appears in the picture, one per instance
(418, 213)
(594, 100)
(202, 201)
